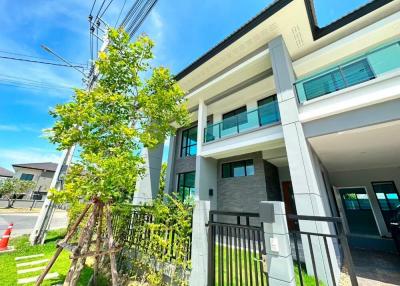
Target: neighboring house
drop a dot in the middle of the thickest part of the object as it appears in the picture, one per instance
(5, 174)
(40, 173)
(285, 110)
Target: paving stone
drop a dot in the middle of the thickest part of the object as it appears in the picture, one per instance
(29, 256)
(33, 279)
(35, 262)
(22, 271)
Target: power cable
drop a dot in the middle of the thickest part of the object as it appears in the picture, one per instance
(33, 57)
(91, 10)
(137, 14)
(120, 13)
(145, 11)
(108, 5)
(40, 62)
(131, 12)
(22, 79)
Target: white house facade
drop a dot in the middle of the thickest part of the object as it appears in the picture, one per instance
(283, 110)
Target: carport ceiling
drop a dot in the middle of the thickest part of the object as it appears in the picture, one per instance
(370, 147)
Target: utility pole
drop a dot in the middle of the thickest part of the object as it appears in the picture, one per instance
(38, 234)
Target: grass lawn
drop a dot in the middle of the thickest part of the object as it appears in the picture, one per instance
(8, 269)
(241, 260)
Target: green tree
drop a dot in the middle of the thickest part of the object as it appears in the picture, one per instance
(11, 188)
(132, 105)
(163, 175)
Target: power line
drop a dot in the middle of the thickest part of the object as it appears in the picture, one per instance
(30, 81)
(120, 13)
(106, 8)
(33, 57)
(91, 10)
(39, 62)
(135, 25)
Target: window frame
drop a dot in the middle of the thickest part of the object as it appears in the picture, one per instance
(245, 165)
(233, 113)
(26, 174)
(386, 199)
(274, 98)
(183, 174)
(185, 148)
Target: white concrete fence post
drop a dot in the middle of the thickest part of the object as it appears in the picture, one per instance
(277, 244)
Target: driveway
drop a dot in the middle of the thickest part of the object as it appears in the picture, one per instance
(24, 222)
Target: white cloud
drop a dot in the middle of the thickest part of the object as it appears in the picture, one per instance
(9, 156)
(8, 128)
(17, 128)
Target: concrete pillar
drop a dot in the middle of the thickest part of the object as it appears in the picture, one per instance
(148, 186)
(309, 193)
(277, 244)
(199, 273)
(169, 187)
(206, 179)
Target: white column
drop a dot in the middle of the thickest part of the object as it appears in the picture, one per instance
(148, 186)
(309, 193)
(206, 179)
(277, 244)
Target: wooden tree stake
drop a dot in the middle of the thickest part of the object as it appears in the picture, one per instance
(113, 264)
(59, 249)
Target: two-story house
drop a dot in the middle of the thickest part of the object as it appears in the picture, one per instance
(40, 173)
(283, 109)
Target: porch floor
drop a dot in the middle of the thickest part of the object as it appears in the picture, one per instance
(376, 268)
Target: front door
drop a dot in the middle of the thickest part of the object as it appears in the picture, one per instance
(290, 205)
(358, 211)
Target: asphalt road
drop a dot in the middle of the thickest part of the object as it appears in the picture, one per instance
(24, 222)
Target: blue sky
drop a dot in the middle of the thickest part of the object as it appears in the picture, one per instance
(183, 30)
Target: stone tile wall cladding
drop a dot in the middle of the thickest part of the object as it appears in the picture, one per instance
(243, 194)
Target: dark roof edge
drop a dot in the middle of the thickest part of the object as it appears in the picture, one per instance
(34, 168)
(341, 22)
(265, 14)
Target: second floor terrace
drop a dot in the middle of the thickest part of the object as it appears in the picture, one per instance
(375, 63)
(240, 120)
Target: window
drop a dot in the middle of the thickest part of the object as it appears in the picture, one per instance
(388, 199)
(189, 142)
(238, 169)
(268, 111)
(26, 177)
(387, 195)
(234, 118)
(186, 185)
(356, 201)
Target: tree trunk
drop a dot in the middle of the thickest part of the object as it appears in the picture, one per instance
(77, 264)
(94, 279)
(113, 264)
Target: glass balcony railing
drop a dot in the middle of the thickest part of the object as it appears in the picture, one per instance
(357, 70)
(263, 115)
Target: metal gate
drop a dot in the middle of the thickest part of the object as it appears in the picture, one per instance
(236, 249)
(295, 235)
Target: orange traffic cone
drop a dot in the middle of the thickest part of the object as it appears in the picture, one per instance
(6, 237)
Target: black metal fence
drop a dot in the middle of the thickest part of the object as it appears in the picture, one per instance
(236, 246)
(133, 229)
(340, 237)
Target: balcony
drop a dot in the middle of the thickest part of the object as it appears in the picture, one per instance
(363, 68)
(264, 115)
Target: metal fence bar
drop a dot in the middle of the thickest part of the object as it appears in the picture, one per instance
(312, 259)
(298, 257)
(329, 261)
